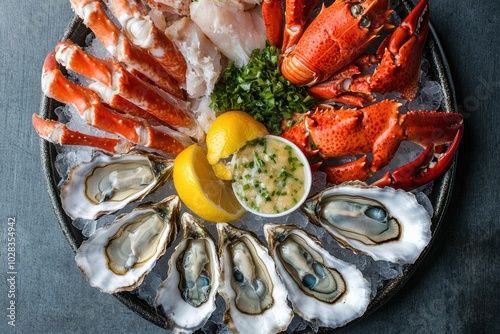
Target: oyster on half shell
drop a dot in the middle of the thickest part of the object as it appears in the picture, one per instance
(118, 256)
(108, 183)
(385, 223)
(187, 296)
(256, 299)
(321, 288)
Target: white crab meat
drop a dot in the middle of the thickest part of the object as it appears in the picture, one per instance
(202, 57)
(235, 32)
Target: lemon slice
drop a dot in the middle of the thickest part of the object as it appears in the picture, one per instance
(230, 132)
(201, 190)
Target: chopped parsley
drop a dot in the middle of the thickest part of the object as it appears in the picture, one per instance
(260, 89)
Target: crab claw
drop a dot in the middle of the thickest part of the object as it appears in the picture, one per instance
(401, 55)
(355, 170)
(429, 165)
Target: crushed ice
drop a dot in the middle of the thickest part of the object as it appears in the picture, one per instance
(147, 290)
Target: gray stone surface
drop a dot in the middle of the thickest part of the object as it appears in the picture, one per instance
(454, 291)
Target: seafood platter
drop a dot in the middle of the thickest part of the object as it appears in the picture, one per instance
(249, 166)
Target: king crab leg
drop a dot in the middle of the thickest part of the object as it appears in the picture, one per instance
(116, 80)
(121, 104)
(179, 7)
(141, 31)
(93, 15)
(100, 70)
(96, 114)
(58, 133)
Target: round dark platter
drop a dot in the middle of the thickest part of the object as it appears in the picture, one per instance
(440, 195)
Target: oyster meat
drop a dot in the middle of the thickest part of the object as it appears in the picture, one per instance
(256, 299)
(187, 296)
(118, 256)
(385, 223)
(321, 288)
(108, 183)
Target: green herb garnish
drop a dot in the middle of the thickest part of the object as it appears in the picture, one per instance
(260, 89)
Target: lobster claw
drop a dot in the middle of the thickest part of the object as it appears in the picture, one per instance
(401, 55)
(414, 27)
(430, 164)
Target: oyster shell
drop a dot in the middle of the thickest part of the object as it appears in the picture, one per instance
(107, 183)
(385, 223)
(118, 256)
(187, 296)
(321, 288)
(254, 294)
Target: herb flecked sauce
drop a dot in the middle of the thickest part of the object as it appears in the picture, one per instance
(268, 176)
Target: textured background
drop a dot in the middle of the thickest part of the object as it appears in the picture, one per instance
(454, 291)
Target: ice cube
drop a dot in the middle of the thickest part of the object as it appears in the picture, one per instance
(79, 223)
(297, 325)
(89, 228)
(388, 270)
(147, 290)
(96, 48)
(429, 98)
(104, 221)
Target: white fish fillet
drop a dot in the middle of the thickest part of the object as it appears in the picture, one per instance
(202, 57)
(235, 32)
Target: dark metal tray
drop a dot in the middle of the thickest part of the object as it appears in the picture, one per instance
(440, 195)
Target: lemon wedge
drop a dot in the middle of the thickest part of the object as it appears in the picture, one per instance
(201, 190)
(230, 132)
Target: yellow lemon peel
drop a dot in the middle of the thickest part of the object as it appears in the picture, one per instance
(201, 190)
(230, 132)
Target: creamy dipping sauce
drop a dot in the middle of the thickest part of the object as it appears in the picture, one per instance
(269, 177)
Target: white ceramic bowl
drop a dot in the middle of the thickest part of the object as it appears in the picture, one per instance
(307, 183)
